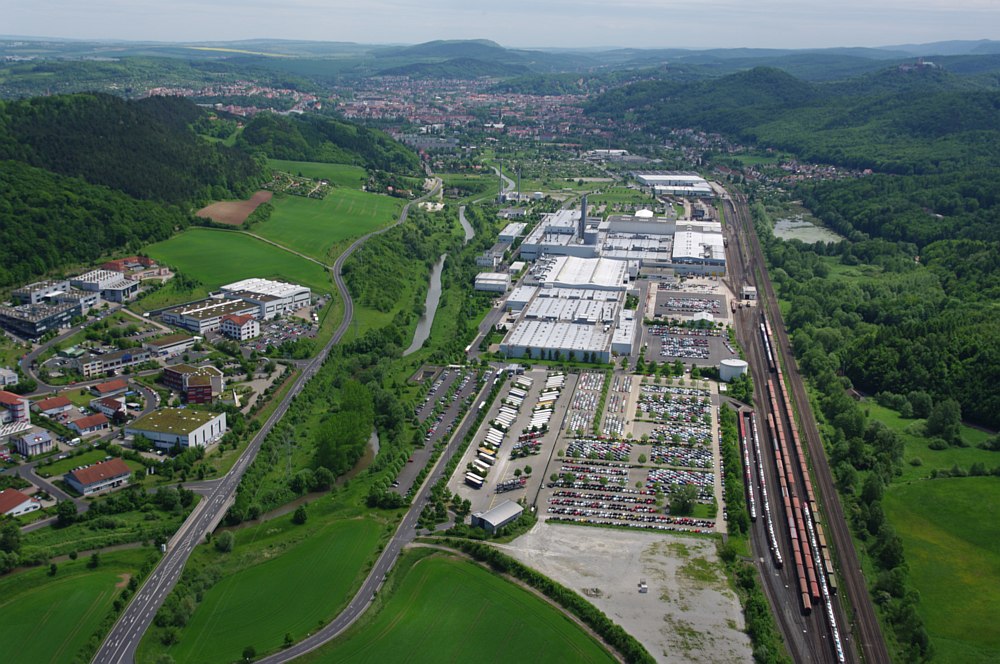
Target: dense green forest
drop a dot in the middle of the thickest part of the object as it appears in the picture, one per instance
(49, 221)
(313, 138)
(144, 148)
(928, 217)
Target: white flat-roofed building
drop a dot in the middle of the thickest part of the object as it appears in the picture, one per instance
(675, 183)
(624, 333)
(555, 339)
(40, 291)
(273, 298)
(493, 282)
(520, 296)
(207, 315)
(516, 267)
(699, 252)
(170, 427)
(512, 231)
(113, 286)
(588, 273)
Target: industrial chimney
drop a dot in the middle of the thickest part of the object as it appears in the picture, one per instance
(583, 218)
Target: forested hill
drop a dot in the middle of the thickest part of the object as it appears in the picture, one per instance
(49, 221)
(312, 138)
(144, 148)
(894, 121)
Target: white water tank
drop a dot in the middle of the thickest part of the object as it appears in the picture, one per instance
(732, 368)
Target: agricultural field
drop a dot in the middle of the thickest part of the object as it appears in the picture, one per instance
(49, 618)
(341, 175)
(315, 227)
(466, 613)
(951, 537)
(234, 213)
(276, 592)
(215, 257)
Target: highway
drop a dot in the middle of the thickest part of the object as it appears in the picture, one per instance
(123, 639)
(806, 636)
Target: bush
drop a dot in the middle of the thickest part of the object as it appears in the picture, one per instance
(224, 541)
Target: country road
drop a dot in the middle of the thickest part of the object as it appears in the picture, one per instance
(123, 640)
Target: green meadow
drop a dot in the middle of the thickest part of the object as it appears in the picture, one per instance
(951, 538)
(215, 257)
(272, 587)
(49, 618)
(318, 227)
(447, 609)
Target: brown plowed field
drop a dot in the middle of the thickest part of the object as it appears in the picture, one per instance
(234, 213)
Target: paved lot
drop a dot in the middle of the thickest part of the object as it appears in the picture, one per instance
(688, 614)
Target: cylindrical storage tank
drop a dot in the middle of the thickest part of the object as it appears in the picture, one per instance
(732, 368)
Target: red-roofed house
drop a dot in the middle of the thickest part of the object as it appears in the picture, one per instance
(110, 388)
(240, 327)
(105, 475)
(15, 503)
(109, 406)
(91, 424)
(52, 407)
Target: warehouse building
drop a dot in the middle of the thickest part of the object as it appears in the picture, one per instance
(675, 183)
(512, 231)
(697, 251)
(180, 427)
(206, 315)
(498, 517)
(493, 282)
(99, 477)
(272, 298)
(574, 272)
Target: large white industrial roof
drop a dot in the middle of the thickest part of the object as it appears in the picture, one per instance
(264, 287)
(570, 271)
(558, 336)
(697, 245)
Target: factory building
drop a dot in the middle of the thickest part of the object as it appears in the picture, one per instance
(699, 252)
(206, 315)
(674, 183)
(273, 298)
(512, 231)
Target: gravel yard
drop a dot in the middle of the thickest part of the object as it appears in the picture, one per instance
(689, 613)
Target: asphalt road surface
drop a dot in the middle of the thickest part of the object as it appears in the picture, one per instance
(123, 640)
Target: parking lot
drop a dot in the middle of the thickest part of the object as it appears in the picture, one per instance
(276, 332)
(454, 387)
(516, 445)
(660, 436)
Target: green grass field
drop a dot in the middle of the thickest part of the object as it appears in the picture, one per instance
(49, 618)
(343, 175)
(447, 609)
(218, 257)
(292, 593)
(916, 446)
(951, 537)
(316, 227)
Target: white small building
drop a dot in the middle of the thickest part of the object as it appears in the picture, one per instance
(493, 282)
(732, 368)
(506, 512)
(15, 503)
(7, 377)
(240, 328)
(512, 231)
(183, 427)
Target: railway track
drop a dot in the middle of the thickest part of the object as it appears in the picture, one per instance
(860, 634)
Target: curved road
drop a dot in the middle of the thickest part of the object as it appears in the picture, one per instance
(123, 640)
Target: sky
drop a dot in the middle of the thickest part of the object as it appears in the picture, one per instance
(516, 23)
